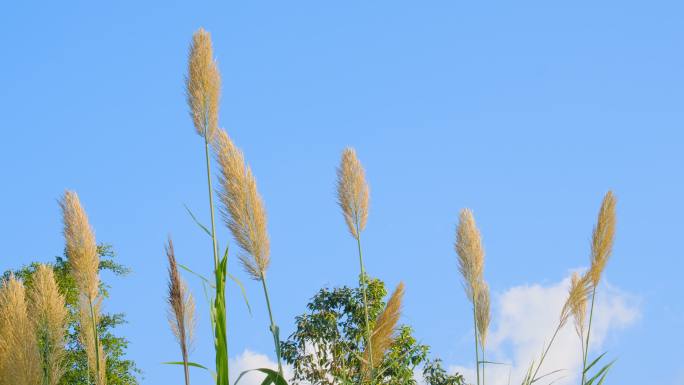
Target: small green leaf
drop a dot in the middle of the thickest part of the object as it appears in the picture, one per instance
(194, 218)
(272, 376)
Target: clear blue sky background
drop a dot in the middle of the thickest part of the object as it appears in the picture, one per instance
(527, 112)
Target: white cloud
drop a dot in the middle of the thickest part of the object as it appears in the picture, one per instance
(250, 360)
(524, 320)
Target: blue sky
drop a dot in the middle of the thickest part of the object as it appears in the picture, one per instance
(526, 112)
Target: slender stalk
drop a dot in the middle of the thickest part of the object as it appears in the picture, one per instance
(219, 301)
(274, 327)
(477, 354)
(369, 345)
(546, 351)
(97, 342)
(483, 365)
(586, 344)
(185, 366)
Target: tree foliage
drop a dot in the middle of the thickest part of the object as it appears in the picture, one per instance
(120, 371)
(328, 344)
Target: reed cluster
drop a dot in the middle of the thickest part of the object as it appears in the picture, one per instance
(32, 330)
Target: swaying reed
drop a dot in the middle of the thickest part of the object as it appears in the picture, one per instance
(84, 261)
(19, 355)
(601, 248)
(203, 87)
(353, 198)
(245, 215)
(49, 316)
(577, 302)
(383, 332)
(181, 314)
(471, 265)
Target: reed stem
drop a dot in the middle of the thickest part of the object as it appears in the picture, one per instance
(369, 345)
(96, 341)
(477, 354)
(220, 333)
(586, 344)
(274, 327)
(546, 351)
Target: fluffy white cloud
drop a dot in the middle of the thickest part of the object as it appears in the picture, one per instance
(524, 320)
(250, 360)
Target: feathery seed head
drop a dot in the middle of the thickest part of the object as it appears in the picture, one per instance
(243, 209)
(181, 314)
(577, 299)
(579, 285)
(81, 248)
(49, 316)
(203, 85)
(482, 312)
(352, 192)
(385, 327)
(19, 356)
(470, 253)
(602, 238)
(87, 321)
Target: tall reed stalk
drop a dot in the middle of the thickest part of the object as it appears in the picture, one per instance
(203, 84)
(84, 261)
(245, 215)
(353, 198)
(601, 247)
(470, 253)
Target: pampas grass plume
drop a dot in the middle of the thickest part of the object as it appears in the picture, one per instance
(602, 238)
(470, 253)
(203, 85)
(385, 327)
(352, 192)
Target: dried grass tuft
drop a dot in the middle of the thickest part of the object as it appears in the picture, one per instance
(579, 292)
(203, 85)
(352, 192)
(483, 313)
(81, 248)
(243, 209)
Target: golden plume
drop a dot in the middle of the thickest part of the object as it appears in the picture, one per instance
(49, 315)
(203, 85)
(385, 327)
(470, 253)
(602, 238)
(482, 312)
(19, 355)
(352, 192)
(81, 250)
(577, 297)
(578, 302)
(181, 314)
(243, 209)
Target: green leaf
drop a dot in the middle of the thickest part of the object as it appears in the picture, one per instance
(203, 278)
(194, 218)
(272, 376)
(242, 289)
(189, 364)
(594, 362)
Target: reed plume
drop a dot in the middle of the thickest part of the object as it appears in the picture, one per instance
(203, 85)
(483, 313)
(602, 238)
(470, 253)
(245, 215)
(19, 355)
(577, 302)
(243, 209)
(352, 192)
(49, 316)
(181, 314)
(84, 261)
(383, 331)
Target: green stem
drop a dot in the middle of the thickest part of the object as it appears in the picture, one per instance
(546, 351)
(274, 327)
(221, 332)
(477, 354)
(483, 364)
(369, 345)
(96, 341)
(586, 344)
